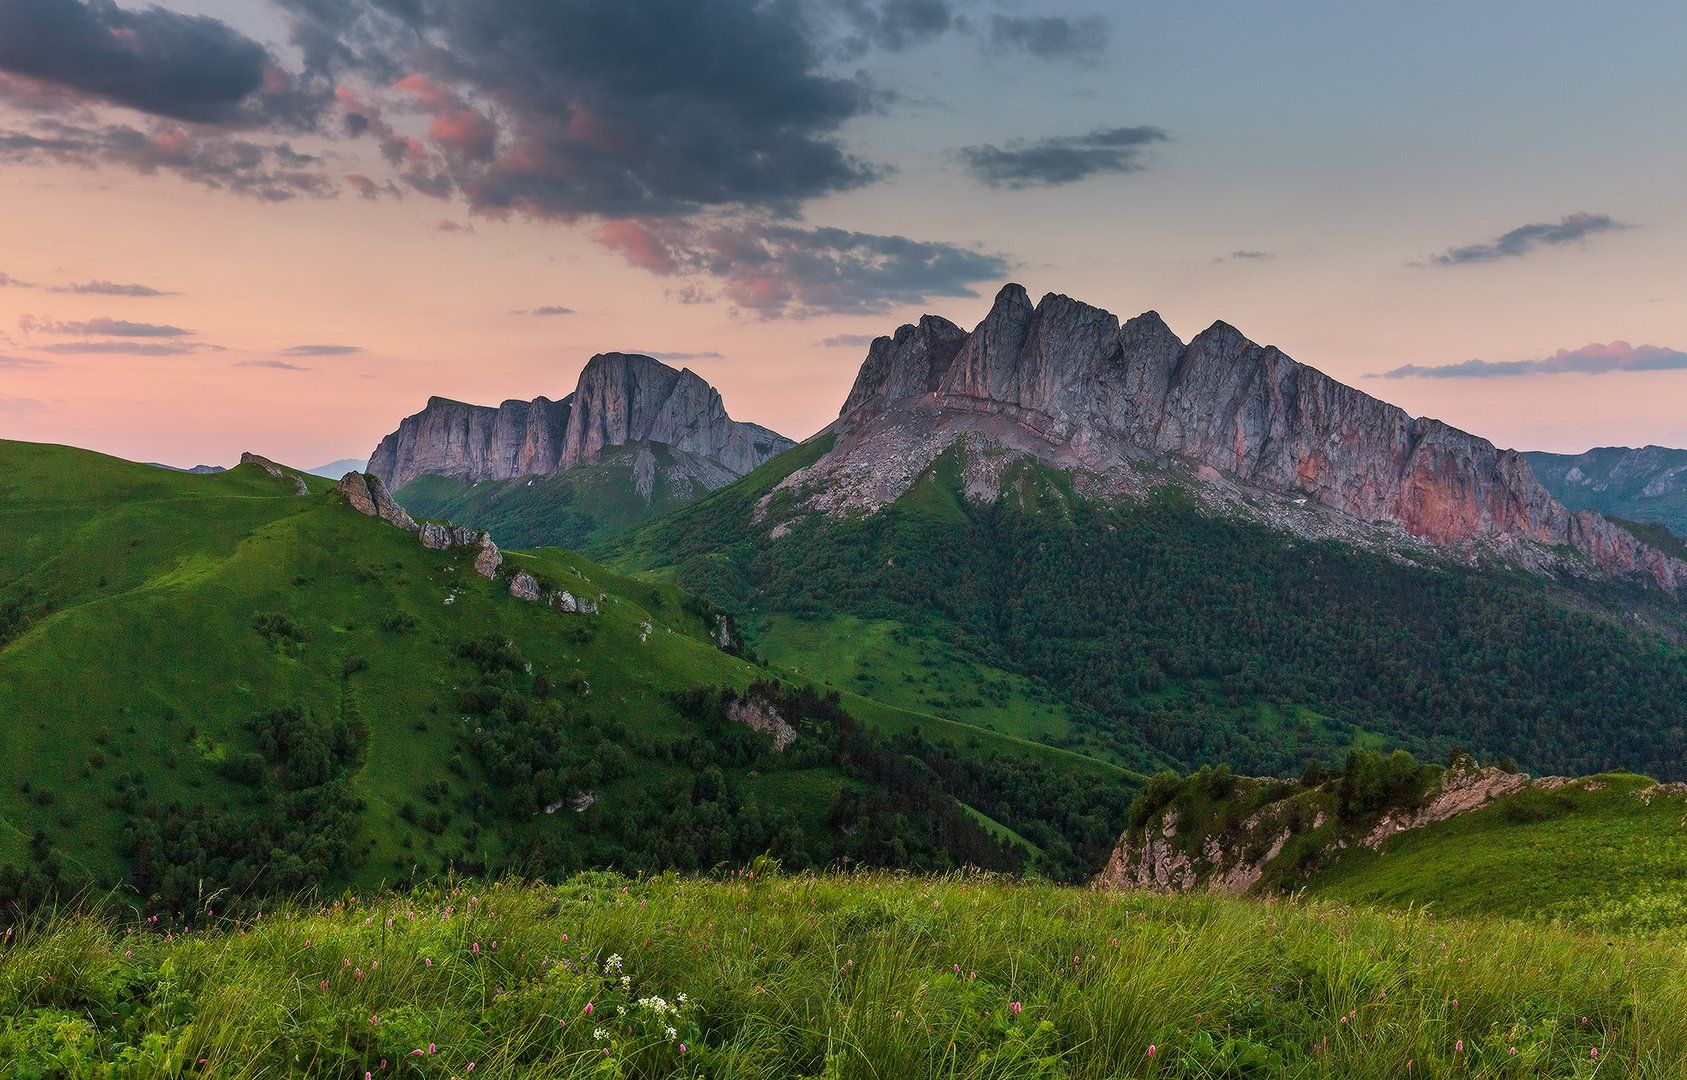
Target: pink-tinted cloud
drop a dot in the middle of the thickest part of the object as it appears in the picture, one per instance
(1595, 359)
(462, 132)
(640, 244)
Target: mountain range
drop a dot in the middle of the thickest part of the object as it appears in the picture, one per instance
(1028, 565)
(1164, 552)
(1648, 484)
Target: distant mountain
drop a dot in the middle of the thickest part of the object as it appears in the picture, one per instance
(660, 438)
(1098, 535)
(336, 469)
(196, 470)
(1648, 484)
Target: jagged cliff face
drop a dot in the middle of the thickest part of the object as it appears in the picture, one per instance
(1070, 383)
(619, 399)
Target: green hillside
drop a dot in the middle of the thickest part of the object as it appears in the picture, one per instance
(1156, 633)
(1598, 853)
(857, 977)
(573, 509)
(1603, 853)
(212, 686)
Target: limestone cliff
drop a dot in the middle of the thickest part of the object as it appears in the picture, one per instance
(1068, 382)
(620, 399)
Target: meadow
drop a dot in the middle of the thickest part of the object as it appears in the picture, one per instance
(759, 974)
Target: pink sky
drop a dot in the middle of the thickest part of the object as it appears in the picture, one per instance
(1347, 178)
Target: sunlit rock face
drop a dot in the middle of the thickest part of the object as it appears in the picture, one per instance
(621, 398)
(1069, 383)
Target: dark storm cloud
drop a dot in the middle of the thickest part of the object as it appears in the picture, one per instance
(1062, 159)
(271, 172)
(775, 269)
(600, 107)
(189, 67)
(1525, 238)
(103, 326)
(1617, 357)
(322, 350)
(895, 25)
(1050, 37)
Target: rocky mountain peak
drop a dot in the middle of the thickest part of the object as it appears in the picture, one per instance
(620, 398)
(1086, 392)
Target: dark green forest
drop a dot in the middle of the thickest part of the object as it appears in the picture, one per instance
(1179, 637)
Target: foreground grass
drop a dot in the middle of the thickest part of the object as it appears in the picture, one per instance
(863, 976)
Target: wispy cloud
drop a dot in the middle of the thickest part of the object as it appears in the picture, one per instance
(1050, 37)
(126, 348)
(322, 350)
(684, 356)
(111, 288)
(102, 326)
(1618, 356)
(274, 365)
(547, 309)
(7, 281)
(1062, 159)
(19, 363)
(20, 406)
(1573, 228)
(852, 341)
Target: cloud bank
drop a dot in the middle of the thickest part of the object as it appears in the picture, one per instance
(1616, 357)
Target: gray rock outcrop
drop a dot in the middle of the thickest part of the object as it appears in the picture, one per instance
(620, 398)
(1083, 390)
(368, 495)
(524, 586)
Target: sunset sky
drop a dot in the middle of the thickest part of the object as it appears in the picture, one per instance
(281, 226)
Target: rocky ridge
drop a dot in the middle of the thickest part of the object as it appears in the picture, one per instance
(1647, 484)
(620, 399)
(366, 494)
(1156, 857)
(1128, 405)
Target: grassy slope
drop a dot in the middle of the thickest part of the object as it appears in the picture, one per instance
(143, 654)
(1153, 634)
(574, 509)
(844, 977)
(889, 662)
(1602, 859)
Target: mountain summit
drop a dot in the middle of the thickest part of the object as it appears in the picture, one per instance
(621, 398)
(1124, 404)
(635, 439)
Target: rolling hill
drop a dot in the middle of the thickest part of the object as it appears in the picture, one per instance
(1605, 853)
(231, 685)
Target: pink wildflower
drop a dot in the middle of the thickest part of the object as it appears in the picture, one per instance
(1017, 1008)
